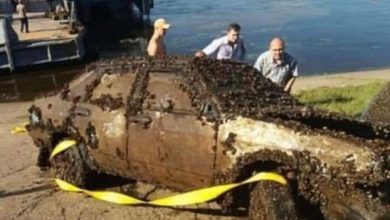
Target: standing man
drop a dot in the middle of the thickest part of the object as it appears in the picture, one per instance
(277, 65)
(21, 10)
(230, 46)
(156, 46)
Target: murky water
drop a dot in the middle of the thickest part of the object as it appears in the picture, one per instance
(28, 84)
(326, 36)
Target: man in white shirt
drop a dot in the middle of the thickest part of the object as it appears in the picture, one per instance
(230, 46)
(21, 10)
(277, 65)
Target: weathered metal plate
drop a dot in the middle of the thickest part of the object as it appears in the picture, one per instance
(110, 155)
(165, 94)
(55, 109)
(79, 86)
(253, 136)
(174, 140)
(116, 85)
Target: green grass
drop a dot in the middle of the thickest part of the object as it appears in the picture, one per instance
(350, 100)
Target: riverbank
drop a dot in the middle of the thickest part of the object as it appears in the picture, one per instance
(341, 79)
(348, 93)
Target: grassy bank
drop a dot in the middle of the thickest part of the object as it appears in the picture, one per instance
(350, 100)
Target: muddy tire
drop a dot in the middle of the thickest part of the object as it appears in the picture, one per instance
(271, 201)
(71, 167)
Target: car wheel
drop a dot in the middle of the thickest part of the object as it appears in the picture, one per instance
(71, 167)
(271, 201)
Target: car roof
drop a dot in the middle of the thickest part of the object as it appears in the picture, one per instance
(241, 89)
(235, 87)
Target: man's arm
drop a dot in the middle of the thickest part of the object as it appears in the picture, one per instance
(212, 47)
(24, 12)
(200, 54)
(258, 63)
(294, 73)
(152, 47)
(243, 51)
(289, 84)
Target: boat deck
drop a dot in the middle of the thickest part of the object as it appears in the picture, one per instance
(43, 29)
(48, 41)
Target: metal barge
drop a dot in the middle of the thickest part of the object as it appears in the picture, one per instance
(48, 42)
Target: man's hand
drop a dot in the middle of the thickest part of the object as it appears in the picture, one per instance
(289, 85)
(200, 54)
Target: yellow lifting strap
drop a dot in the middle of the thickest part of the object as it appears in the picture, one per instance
(20, 129)
(188, 198)
(62, 146)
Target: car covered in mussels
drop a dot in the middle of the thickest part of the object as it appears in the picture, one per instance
(187, 123)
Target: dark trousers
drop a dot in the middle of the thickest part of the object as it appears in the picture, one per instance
(24, 24)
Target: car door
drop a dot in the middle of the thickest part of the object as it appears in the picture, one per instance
(168, 142)
(101, 120)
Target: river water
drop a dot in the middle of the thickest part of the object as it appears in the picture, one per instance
(326, 36)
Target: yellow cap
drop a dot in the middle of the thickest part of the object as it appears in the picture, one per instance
(161, 23)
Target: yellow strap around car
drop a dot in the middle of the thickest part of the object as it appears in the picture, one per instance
(62, 146)
(188, 198)
(20, 129)
(210, 193)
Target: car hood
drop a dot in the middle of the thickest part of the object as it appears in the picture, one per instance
(251, 136)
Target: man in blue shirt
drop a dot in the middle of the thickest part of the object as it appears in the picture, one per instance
(230, 46)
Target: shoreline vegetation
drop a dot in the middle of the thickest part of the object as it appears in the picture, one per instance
(346, 93)
(348, 100)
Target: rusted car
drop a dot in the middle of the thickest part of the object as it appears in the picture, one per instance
(187, 123)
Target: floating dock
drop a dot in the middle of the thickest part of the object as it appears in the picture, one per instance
(47, 42)
(50, 41)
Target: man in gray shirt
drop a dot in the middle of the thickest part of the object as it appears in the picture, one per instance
(277, 65)
(230, 46)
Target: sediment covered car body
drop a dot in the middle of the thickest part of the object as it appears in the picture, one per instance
(378, 109)
(188, 123)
